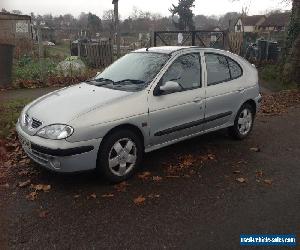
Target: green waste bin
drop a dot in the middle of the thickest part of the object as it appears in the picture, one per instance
(6, 61)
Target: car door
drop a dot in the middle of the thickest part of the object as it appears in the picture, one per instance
(178, 114)
(223, 89)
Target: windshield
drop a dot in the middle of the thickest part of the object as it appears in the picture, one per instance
(133, 69)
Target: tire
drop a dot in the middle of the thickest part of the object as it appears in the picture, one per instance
(120, 155)
(243, 127)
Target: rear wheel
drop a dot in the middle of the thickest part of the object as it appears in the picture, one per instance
(243, 123)
(120, 155)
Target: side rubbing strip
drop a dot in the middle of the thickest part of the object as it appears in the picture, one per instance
(192, 124)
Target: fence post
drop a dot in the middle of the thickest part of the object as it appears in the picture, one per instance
(193, 37)
(154, 38)
(41, 53)
(78, 49)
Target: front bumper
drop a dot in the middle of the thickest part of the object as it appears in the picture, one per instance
(61, 155)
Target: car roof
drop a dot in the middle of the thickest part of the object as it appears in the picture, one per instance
(172, 49)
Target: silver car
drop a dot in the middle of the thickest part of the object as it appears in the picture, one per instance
(148, 99)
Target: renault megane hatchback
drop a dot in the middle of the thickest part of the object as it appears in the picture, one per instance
(146, 100)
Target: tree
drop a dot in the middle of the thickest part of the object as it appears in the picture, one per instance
(108, 21)
(291, 67)
(228, 20)
(17, 12)
(291, 62)
(185, 13)
(94, 23)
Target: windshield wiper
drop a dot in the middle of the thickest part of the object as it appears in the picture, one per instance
(130, 81)
(101, 81)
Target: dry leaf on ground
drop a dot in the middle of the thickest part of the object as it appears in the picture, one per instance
(32, 196)
(255, 149)
(41, 187)
(157, 178)
(241, 180)
(151, 196)
(268, 181)
(107, 195)
(121, 187)
(43, 214)
(24, 183)
(140, 200)
(94, 196)
(144, 175)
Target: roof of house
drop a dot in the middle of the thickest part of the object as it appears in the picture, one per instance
(251, 20)
(277, 19)
(11, 16)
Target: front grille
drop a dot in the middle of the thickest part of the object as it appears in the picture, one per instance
(27, 120)
(35, 123)
(31, 123)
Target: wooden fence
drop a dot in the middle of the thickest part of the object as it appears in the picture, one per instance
(235, 42)
(97, 55)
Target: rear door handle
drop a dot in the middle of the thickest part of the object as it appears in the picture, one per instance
(197, 100)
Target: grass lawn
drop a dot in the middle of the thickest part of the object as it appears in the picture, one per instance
(60, 51)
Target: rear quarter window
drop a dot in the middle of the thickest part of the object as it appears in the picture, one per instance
(235, 69)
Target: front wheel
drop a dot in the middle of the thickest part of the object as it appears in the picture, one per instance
(243, 122)
(120, 155)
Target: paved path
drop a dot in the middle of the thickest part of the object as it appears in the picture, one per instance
(208, 210)
(24, 93)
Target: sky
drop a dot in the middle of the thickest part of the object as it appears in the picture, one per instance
(75, 7)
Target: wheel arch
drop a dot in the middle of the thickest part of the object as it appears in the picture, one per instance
(126, 126)
(252, 103)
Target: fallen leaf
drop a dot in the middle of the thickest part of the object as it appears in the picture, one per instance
(24, 183)
(255, 149)
(107, 195)
(32, 196)
(268, 181)
(23, 172)
(140, 200)
(94, 196)
(46, 188)
(76, 196)
(236, 171)
(157, 178)
(259, 173)
(151, 196)
(211, 156)
(121, 187)
(241, 180)
(6, 185)
(144, 175)
(40, 187)
(43, 214)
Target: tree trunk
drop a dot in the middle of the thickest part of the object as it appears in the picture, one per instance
(291, 68)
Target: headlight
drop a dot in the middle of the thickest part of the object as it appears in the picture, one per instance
(56, 132)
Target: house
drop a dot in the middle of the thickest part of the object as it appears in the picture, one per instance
(14, 27)
(249, 23)
(276, 22)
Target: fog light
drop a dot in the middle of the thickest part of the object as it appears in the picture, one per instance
(55, 164)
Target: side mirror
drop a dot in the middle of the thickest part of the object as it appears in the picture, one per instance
(168, 87)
